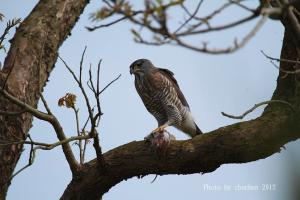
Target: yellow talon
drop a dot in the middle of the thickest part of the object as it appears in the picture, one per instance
(160, 129)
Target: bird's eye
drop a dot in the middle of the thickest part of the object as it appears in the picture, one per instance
(139, 64)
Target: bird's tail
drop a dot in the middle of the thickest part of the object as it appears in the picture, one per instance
(198, 131)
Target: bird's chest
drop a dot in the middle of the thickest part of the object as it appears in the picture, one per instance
(152, 93)
(150, 88)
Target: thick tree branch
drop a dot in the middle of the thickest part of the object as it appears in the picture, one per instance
(236, 143)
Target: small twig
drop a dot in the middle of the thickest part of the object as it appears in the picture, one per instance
(93, 133)
(83, 132)
(285, 71)
(98, 75)
(80, 85)
(256, 106)
(242, 6)
(84, 146)
(237, 45)
(109, 84)
(47, 146)
(30, 159)
(78, 134)
(96, 92)
(190, 18)
(80, 65)
(154, 178)
(85, 124)
(106, 25)
(45, 104)
(90, 82)
(10, 24)
(42, 146)
(221, 27)
(281, 59)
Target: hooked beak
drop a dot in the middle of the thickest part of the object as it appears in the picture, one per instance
(131, 71)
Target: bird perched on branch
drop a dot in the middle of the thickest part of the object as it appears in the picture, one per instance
(163, 98)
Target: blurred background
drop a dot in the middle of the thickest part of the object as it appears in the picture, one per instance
(211, 83)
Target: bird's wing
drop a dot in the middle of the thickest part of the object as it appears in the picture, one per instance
(170, 75)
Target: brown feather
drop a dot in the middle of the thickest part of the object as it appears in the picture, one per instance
(170, 75)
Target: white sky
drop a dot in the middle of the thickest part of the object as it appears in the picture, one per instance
(230, 83)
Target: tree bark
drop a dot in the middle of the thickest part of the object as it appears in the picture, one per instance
(238, 143)
(30, 60)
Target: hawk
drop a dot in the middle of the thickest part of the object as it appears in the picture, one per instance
(163, 98)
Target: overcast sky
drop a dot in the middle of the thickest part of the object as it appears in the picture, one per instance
(211, 84)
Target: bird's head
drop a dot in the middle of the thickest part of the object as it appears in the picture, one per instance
(140, 67)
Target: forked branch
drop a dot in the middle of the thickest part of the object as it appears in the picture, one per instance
(94, 115)
(154, 17)
(52, 120)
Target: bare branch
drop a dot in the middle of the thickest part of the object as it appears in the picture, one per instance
(78, 81)
(204, 20)
(80, 65)
(219, 28)
(52, 120)
(110, 83)
(162, 34)
(34, 146)
(46, 146)
(280, 59)
(81, 157)
(30, 159)
(283, 60)
(106, 25)
(238, 3)
(93, 119)
(190, 18)
(256, 106)
(237, 45)
(45, 104)
(10, 24)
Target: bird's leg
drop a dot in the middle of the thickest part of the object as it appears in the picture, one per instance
(160, 137)
(160, 129)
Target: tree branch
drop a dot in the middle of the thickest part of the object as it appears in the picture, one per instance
(53, 121)
(236, 143)
(258, 105)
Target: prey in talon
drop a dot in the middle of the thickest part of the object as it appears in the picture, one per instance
(159, 139)
(163, 98)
